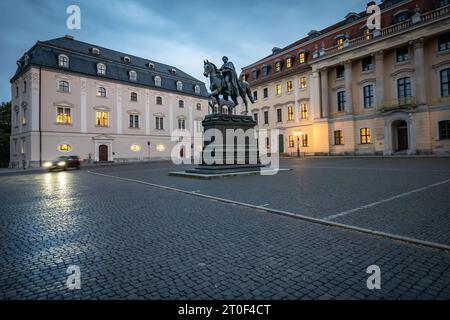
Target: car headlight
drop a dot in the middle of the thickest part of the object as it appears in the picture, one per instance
(61, 163)
(47, 165)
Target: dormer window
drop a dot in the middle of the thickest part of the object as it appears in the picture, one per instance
(288, 62)
(367, 33)
(179, 86)
(254, 74)
(173, 71)
(127, 59)
(265, 70)
(197, 89)
(340, 41)
(442, 3)
(278, 66)
(151, 65)
(158, 81)
(133, 75)
(63, 61)
(95, 51)
(302, 57)
(402, 16)
(351, 17)
(313, 34)
(101, 69)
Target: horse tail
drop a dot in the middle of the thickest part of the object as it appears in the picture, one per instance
(248, 91)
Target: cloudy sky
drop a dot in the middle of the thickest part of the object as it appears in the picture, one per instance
(177, 32)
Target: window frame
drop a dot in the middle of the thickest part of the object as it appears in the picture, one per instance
(303, 111)
(368, 96)
(103, 120)
(159, 101)
(133, 97)
(303, 83)
(445, 86)
(101, 69)
(402, 54)
(63, 86)
(64, 118)
(159, 123)
(289, 86)
(291, 116)
(404, 87)
(341, 101)
(63, 61)
(279, 115)
(305, 140)
(133, 121)
(444, 129)
(338, 137)
(444, 42)
(101, 92)
(365, 137)
(366, 65)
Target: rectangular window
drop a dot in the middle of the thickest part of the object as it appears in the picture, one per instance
(159, 123)
(64, 86)
(255, 95)
(367, 64)
(445, 84)
(16, 119)
(278, 89)
(369, 99)
(181, 124)
(404, 90)
(63, 115)
(134, 121)
(278, 66)
(302, 58)
(266, 117)
(444, 130)
(288, 63)
(444, 42)
(304, 140)
(279, 115)
(24, 87)
(341, 101)
(402, 54)
(338, 138)
(17, 91)
(291, 142)
(102, 119)
(255, 117)
(290, 86)
(340, 72)
(340, 43)
(365, 135)
(267, 143)
(24, 116)
(290, 113)
(303, 83)
(265, 93)
(304, 111)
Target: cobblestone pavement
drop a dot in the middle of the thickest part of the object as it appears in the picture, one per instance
(136, 241)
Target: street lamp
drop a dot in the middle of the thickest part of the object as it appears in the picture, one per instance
(298, 134)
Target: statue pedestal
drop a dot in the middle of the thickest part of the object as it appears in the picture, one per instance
(230, 145)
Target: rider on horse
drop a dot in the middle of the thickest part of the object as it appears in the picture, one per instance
(230, 77)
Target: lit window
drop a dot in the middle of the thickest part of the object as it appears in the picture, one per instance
(291, 142)
(24, 116)
(160, 148)
(290, 86)
(340, 42)
(63, 115)
(303, 83)
(64, 147)
(101, 69)
(135, 148)
(159, 101)
(278, 89)
(134, 121)
(159, 123)
(302, 57)
(134, 97)
(133, 75)
(444, 130)
(304, 111)
(338, 138)
(445, 83)
(288, 63)
(63, 61)
(278, 66)
(101, 92)
(290, 113)
(102, 119)
(368, 34)
(158, 81)
(64, 86)
(369, 99)
(365, 135)
(179, 86)
(305, 140)
(341, 101)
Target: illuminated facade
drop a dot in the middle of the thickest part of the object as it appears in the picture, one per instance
(351, 90)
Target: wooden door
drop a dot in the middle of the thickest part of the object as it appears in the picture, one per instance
(103, 153)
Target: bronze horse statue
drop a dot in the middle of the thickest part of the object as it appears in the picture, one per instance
(218, 88)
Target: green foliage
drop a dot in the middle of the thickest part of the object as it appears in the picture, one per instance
(5, 132)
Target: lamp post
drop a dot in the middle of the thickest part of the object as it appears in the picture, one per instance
(298, 134)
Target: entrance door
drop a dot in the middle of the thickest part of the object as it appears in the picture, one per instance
(281, 143)
(402, 136)
(103, 153)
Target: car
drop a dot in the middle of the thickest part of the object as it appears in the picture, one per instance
(64, 163)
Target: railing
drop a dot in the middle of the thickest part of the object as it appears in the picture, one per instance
(399, 104)
(440, 100)
(426, 17)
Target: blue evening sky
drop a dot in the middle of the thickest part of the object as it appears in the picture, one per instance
(181, 33)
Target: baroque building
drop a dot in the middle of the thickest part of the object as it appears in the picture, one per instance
(74, 98)
(350, 90)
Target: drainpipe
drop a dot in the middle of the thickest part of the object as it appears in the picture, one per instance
(40, 117)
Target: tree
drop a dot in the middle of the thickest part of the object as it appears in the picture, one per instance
(5, 132)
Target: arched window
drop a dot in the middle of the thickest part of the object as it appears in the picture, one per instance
(159, 100)
(179, 86)
(199, 106)
(101, 69)
(133, 75)
(197, 89)
(181, 104)
(101, 92)
(64, 86)
(158, 81)
(134, 97)
(63, 61)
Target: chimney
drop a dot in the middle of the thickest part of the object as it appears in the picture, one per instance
(69, 37)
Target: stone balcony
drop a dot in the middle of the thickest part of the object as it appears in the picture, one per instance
(406, 104)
